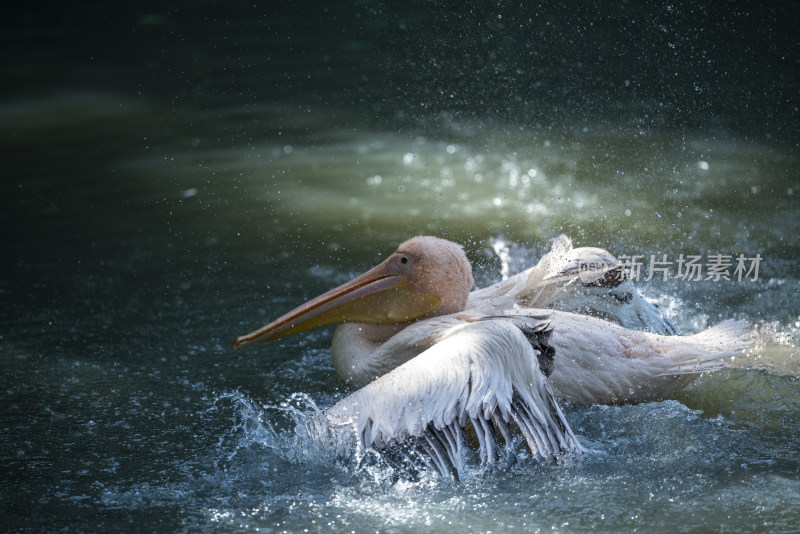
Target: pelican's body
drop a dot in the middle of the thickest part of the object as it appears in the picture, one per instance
(598, 362)
(433, 356)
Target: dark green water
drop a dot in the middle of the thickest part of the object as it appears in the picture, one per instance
(175, 176)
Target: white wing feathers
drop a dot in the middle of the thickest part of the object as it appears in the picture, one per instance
(564, 266)
(486, 373)
(584, 280)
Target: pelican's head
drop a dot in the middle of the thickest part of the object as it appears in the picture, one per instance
(426, 276)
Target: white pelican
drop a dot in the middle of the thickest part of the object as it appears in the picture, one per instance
(434, 356)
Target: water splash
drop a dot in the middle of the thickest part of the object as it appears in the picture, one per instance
(288, 430)
(501, 249)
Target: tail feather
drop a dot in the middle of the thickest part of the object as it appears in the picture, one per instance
(706, 351)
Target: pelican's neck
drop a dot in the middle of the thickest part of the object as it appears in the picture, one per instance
(363, 352)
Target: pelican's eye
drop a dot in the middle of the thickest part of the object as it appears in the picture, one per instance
(404, 262)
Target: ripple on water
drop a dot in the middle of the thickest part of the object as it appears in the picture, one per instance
(645, 464)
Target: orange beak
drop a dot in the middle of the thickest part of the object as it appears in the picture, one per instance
(382, 295)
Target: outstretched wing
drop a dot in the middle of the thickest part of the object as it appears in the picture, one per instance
(584, 280)
(485, 375)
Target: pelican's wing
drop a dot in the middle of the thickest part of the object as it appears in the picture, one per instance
(622, 304)
(584, 280)
(485, 374)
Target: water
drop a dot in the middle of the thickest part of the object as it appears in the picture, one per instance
(175, 178)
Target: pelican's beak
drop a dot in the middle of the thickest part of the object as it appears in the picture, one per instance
(382, 295)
